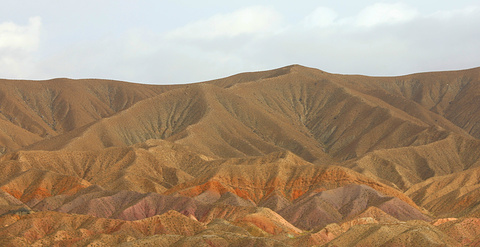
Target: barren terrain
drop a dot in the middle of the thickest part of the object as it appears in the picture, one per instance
(288, 157)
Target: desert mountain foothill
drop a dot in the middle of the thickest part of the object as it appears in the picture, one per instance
(293, 156)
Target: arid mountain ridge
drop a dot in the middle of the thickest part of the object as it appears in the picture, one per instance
(291, 156)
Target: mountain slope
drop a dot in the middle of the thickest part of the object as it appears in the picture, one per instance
(316, 115)
(453, 195)
(52, 107)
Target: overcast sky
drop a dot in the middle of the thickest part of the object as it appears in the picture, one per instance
(166, 41)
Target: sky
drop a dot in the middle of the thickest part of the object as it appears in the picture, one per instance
(184, 41)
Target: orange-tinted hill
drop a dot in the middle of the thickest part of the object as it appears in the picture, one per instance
(150, 178)
(293, 156)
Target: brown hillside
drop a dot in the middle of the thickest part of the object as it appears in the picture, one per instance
(293, 156)
(407, 166)
(138, 168)
(316, 115)
(454, 195)
(412, 233)
(48, 108)
(452, 95)
(52, 228)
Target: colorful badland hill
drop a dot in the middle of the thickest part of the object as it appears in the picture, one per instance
(288, 157)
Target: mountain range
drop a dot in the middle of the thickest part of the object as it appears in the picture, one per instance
(293, 156)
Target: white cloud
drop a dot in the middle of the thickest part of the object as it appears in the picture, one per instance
(449, 14)
(378, 14)
(320, 17)
(13, 36)
(249, 20)
(380, 39)
(17, 43)
(384, 13)
(207, 49)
